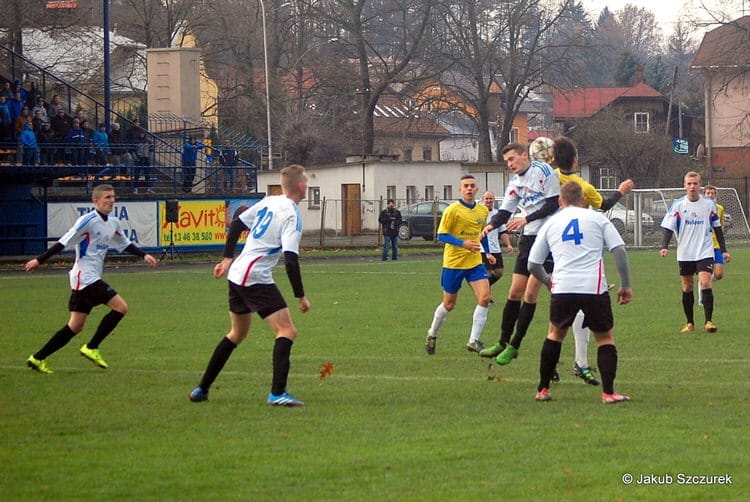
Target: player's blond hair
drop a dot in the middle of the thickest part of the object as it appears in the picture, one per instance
(291, 176)
(98, 190)
(571, 192)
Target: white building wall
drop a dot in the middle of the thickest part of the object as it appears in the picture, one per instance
(376, 177)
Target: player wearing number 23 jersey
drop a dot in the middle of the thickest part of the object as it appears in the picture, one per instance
(575, 236)
(275, 227)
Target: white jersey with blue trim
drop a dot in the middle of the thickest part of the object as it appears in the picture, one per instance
(493, 238)
(576, 237)
(92, 235)
(529, 190)
(692, 224)
(275, 225)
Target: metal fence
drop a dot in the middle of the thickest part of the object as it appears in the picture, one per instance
(354, 223)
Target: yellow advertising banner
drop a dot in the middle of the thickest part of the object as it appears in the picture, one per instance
(200, 222)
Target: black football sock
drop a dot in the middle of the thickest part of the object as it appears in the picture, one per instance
(708, 303)
(218, 359)
(525, 316)
(687, 305)
(510, 316)
(493, 279)
(282, 349)
(548, 361)
(58, 341)
(107, 326)
(607, 361)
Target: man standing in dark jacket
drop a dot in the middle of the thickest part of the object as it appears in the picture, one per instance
(390, 219)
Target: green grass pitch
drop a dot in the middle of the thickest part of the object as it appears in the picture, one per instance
(390, 423)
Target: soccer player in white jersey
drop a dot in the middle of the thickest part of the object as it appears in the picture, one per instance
(576, 236)
(533, 188)
(274, 227)
(92, 235)
(495, 270)
(692, 219)
(565, 157)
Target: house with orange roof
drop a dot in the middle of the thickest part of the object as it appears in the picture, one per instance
(724, 61)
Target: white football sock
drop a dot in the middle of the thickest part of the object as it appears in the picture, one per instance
(438, 319)
(478, 321)
(581, 336)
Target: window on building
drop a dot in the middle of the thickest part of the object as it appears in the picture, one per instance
(448, 192)
(313, 197)
(427, 153)
(641, 121)
(607, 179)
(429, 192)
(390, 192)
(411, 194)
(513, 135)
(407, 154)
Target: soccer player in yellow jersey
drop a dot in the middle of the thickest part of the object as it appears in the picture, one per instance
(710, 192)
(460, 229)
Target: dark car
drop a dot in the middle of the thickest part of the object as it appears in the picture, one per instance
(421, 219)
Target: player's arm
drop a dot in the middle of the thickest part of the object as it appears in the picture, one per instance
(34, 263)
(499, 218)
(505, 238)
(665, 240)
(622, 190)
(625, 293)
(537, 270)
(549, 207)
(719, 232)
(291, 263)
(455, 241)
(136, 251)
(235, 231)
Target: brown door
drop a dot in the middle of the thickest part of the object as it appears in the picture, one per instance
(351, 207)
(274, 190)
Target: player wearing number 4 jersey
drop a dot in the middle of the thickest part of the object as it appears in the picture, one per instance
(274, 226)
(576, 236)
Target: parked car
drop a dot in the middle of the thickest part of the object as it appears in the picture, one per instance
(421, 219)
(624, 219)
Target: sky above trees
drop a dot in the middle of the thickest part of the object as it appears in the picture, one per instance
(668, 12)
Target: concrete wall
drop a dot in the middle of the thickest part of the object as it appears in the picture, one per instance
(173, 83)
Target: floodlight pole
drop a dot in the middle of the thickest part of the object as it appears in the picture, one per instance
(268, 84)
(107, 88)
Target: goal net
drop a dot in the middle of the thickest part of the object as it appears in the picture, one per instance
(638, 215)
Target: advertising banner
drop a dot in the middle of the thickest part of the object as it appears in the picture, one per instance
(138, 219)
(200, 223)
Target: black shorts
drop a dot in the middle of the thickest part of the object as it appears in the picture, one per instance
(522, 261)
(690, 268)
(597, 309)
(84, 300)
(264, 299)
(498, 261)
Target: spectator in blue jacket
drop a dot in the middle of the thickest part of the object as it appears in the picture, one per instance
(189, 160)
(30, 147)
(101, 144)
(77, 144)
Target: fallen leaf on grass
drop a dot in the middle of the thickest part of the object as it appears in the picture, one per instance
(326, 369)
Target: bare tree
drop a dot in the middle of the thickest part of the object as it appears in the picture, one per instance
(535, 51)
(609, 140)
(382, 39)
